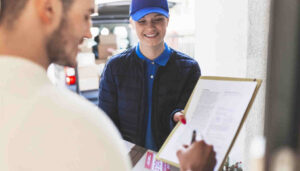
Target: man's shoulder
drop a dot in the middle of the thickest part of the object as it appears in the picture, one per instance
(182, 58)
(61, 101)
(123, 62)
(73, 127)
(123, 57)
(71, 110)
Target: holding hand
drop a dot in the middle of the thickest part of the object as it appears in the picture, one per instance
(197, 157)
(179, 116)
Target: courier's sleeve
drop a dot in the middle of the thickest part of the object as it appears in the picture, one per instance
(108, 94)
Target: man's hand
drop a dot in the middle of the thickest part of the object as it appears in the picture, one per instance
(197, 157)
(179, 116)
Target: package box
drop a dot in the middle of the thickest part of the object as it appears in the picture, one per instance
(100, 61)
(108, 39)
(106, 50)
(107, 45)
(88, 77)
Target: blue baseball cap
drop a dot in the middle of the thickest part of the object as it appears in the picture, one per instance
(140, 8)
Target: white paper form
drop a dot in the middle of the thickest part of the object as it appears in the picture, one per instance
(215, 112)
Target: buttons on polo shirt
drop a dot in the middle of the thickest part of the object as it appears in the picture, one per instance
(152, 63)
(151, 76)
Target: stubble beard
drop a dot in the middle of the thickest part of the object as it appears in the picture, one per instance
(55, 46)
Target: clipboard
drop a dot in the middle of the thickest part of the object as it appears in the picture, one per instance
(256, 85)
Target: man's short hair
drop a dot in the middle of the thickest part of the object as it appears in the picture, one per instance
(10, 10)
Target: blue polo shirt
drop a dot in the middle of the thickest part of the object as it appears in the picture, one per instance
(152, 67)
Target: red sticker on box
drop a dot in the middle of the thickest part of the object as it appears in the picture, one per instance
(166, 167)
(149, 159)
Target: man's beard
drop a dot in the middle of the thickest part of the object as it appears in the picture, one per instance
(55, 46)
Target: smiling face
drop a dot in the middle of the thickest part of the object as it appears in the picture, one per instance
(151, 29)
(62, 45)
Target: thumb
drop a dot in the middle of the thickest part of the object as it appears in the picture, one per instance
(179, 153)
(182, 149)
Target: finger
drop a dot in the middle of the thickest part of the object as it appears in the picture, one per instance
(179, 153)
(202, 142)
(182, 118)
(210, 148)
(214, 154)
(212, 164)
(176, 117)
(183, 148)
(179, 117)
(213, 150)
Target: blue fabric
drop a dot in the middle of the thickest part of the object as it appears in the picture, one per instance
(123, 94)
(141, 13)
(140, 8)
(152, 67)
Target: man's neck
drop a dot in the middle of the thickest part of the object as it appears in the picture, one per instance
(152, 52)
(14, 43)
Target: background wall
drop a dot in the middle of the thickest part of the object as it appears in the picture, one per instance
(257, 54)
(232, 40)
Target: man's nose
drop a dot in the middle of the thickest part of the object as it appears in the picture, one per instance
(88, 34)
(150, 25)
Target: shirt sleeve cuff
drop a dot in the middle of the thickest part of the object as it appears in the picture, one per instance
(172, 123)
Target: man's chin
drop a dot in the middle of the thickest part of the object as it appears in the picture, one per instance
(67, 63)
(73, 64)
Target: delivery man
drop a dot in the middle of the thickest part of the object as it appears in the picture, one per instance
(144, 89)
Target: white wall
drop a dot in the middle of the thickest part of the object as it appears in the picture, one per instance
(231, 40)
(257, 52)
(221, 41)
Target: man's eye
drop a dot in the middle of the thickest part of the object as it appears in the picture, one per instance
(141, 21)
(158, 20)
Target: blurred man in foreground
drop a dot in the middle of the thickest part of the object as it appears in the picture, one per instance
(43, 127)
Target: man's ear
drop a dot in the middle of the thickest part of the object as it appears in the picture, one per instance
(132, 23)
(48, 10)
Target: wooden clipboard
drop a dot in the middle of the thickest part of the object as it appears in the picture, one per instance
(258, 84)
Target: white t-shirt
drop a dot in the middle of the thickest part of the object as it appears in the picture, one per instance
(44, 128)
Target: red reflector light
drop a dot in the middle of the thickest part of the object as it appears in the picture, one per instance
(70, 80)
(69, 71)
